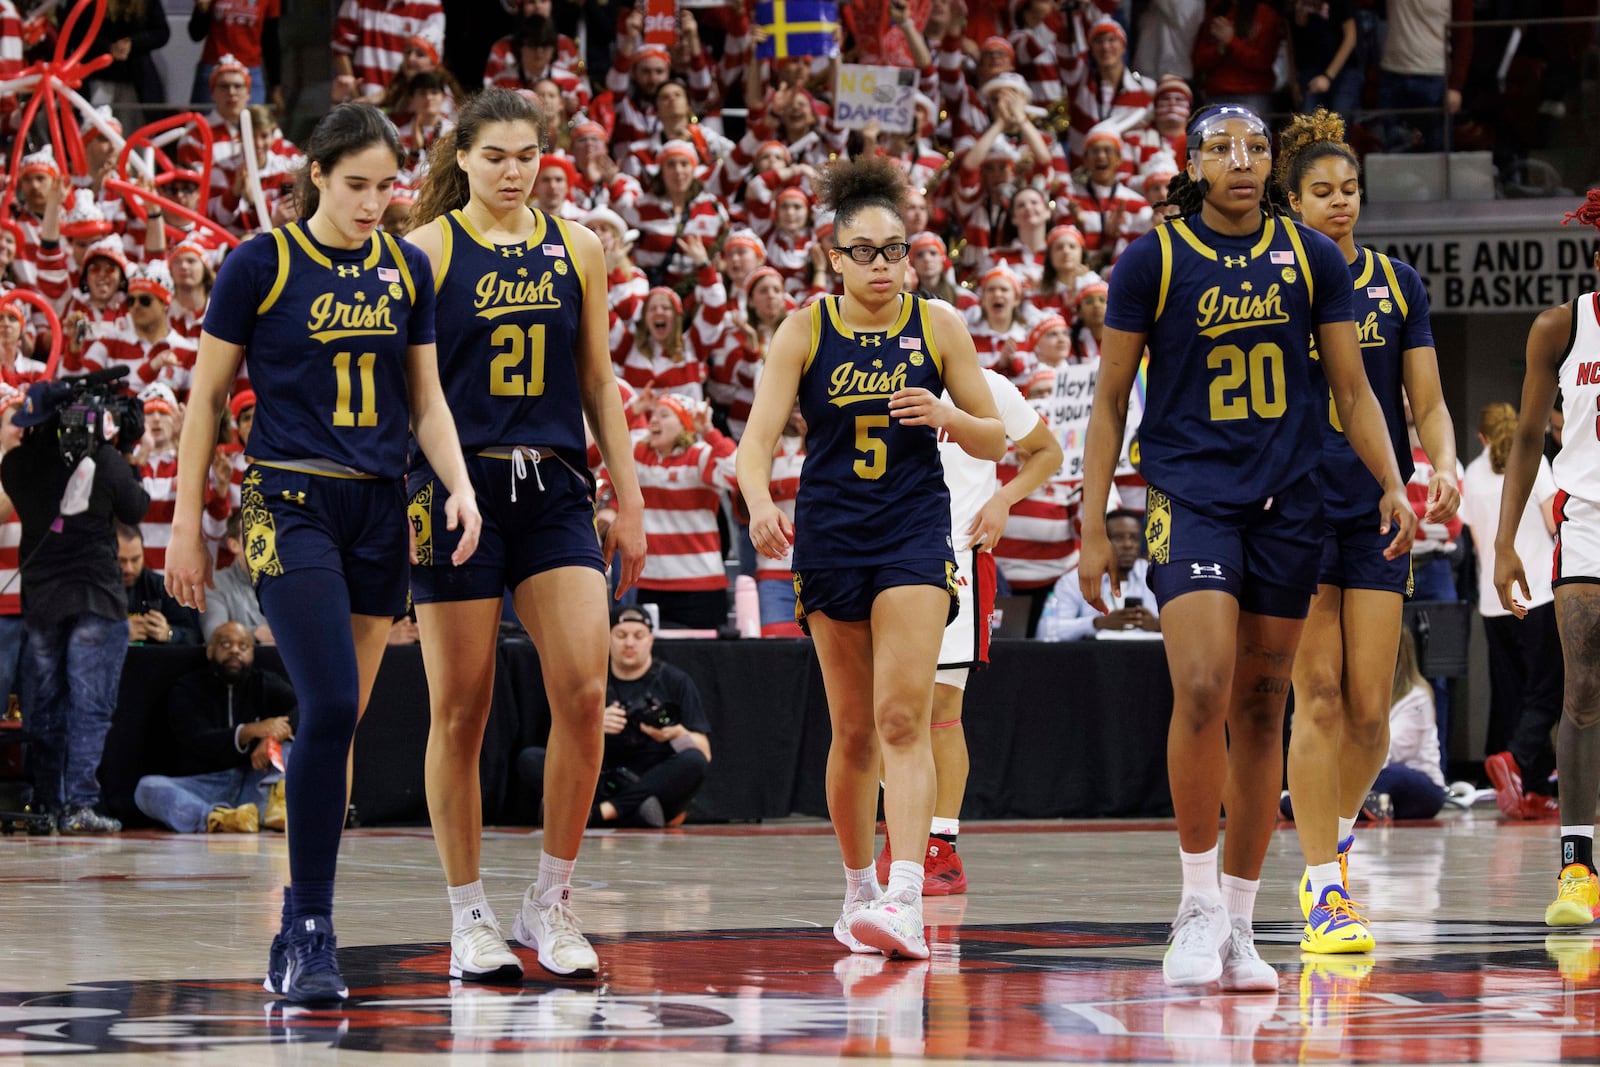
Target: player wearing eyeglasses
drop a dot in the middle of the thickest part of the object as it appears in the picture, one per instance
(875, 574)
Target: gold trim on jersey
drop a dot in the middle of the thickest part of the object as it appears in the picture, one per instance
(1302, 262)
(814, 315)
(374, 249)
(907, 302)
(1366, 271)
(1394, 284)
(1192, 239)
(282, 244)
(566, 240)
(927, 338)
(1164, 239)
(321, 468)
(447, 243)
(539, 229)
(400, 262)
(260, 532)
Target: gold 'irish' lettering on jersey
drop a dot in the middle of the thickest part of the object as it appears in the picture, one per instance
(1367, 330)
(496, 296)
(332, 318)
(850, 385)
(1217, 314)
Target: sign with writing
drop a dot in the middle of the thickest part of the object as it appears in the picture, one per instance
(1066, 411)
(883, 95)
(1512, 270)
(661, 22)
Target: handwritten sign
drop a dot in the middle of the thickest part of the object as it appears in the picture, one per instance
(866, 94)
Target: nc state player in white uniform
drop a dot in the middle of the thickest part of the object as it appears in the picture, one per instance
(979, 507)
(1564, 352)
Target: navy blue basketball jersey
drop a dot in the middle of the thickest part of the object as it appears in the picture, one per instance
(1391, 309)
(326, 332)
(1233, 409)
(872, 490)
(508, 319)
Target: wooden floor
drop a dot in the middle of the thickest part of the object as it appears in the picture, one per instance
(715, 948)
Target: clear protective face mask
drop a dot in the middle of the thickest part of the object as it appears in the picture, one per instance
(1243, 129)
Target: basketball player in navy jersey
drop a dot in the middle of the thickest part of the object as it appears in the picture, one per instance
(874, 566)
(1227, 298)
(1563, 359)
(524, 358)
(338, 320)
(1344, 668)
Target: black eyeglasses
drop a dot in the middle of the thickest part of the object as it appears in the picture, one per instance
(144, 300)
(892, 253)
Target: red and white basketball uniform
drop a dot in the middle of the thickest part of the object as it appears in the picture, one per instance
(972, 482)
(1577, 465)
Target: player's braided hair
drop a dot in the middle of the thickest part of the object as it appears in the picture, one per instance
(847, 186)
(1498, 425)
(1307, 139)
(446, 187)
(1188, 195)
(1588, 212)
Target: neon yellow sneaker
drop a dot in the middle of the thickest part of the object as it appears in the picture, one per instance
(1577, 900)
(1336, 925)
(1308, 892)
(1577, 956)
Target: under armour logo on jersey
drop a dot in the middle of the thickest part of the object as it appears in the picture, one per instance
(510, 251)
(1235, 261)
(1205, 570)
(871, 340)
(349, 270)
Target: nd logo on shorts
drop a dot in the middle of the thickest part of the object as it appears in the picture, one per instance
(420, 512)
(260, 533)
(1158, 526)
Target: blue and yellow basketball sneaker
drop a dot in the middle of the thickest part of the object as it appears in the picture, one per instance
(1308, 892)
(1577, 900)
(1335, 925)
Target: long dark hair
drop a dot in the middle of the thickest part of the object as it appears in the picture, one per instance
(446, 187)
(344, 131)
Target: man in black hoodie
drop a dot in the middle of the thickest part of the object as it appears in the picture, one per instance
(227, 720)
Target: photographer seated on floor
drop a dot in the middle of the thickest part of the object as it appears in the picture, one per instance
(657, 737)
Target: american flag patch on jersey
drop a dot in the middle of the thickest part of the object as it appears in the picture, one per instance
(388, 274)
(553, 250)
(1377, 292)
(1283, 257)
(911, 342)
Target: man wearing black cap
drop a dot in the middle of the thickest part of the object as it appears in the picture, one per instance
(657, 743)
(74, 607)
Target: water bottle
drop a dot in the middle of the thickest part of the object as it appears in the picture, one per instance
(746, 606)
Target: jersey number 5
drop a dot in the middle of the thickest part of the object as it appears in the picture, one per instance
(1259, 371)
(875, 451)
(513, 346)
(342, 413)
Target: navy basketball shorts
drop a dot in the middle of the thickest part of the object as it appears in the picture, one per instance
(845, 594)
(1265, 554)
(354, 528)
(541, 530)
(1352, 557)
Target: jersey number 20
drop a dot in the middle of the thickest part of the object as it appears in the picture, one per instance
(505, 377)
(1258, 372)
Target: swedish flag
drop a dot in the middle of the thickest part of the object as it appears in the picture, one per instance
(797, 28)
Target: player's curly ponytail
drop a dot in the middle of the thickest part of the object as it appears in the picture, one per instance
(446, 187)
(347, 129)
(1307, 139)
(847, 186)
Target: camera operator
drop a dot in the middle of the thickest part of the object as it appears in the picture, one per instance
(656, 732)
(74, 607)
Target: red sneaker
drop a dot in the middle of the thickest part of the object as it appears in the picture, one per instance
(884, 859)
(1506, 777)
(942, 873)
(1540, 807)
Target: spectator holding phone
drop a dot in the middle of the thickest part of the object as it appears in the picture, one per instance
(1068, 617)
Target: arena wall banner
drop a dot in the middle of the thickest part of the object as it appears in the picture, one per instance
(1510, 270)
(883, 95)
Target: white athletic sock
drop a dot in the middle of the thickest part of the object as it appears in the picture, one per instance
(1346, 828)
(468, 905)
(905, 880)
(1200, 873)
(1239, 897)
(553, 872)
(1578, 831)
(860, 885)
(1321, 876)
(949, 827)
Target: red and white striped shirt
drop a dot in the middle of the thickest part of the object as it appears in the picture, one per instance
(121, 346)
(1041, 540)
(10, 565)
(682, 494)
(660, 224)
(159, 473)
(785, 486)
(374, 34)
(1108, 218)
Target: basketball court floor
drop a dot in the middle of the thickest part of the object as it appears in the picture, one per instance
(715, 948)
